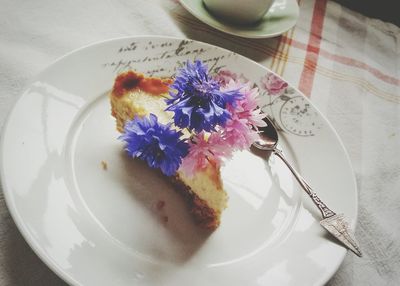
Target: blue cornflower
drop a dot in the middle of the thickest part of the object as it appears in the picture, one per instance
(157, 144)
(197, 101)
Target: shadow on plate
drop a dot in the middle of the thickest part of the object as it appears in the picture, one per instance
(167, 209)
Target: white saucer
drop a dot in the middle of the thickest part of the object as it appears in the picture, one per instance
(281, 17)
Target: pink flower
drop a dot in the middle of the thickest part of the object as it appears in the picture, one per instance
(241, 130)
(202, 150)
(247, 108)
(219, 146)
(197, 157)
(238, 134)
(273, 84)
(224, 76)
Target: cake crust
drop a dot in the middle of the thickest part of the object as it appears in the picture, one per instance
(203, 215)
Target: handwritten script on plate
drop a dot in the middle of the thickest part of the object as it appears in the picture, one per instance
(163, 57)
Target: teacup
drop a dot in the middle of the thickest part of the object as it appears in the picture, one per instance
(239, 11)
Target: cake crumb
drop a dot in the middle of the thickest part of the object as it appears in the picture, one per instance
(104, 165)
(160, 205)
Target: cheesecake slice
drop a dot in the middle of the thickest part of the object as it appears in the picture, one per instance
(132, 95)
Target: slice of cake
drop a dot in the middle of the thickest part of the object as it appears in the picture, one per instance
(132, 95)
(187, 127)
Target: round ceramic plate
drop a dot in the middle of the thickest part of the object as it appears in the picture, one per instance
(281, 17)
(94, 216)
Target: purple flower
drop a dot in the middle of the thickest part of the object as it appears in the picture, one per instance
(157, 144)
(197, 101)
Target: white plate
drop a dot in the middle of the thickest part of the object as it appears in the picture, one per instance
(102, 227)
(281, 17)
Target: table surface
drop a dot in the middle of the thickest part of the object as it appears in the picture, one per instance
(346, 63)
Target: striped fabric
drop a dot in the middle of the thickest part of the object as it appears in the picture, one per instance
(346, 63)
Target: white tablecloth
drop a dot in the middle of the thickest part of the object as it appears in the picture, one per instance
(349, 66)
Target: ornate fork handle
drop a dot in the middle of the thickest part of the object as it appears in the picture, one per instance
(325, 211)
